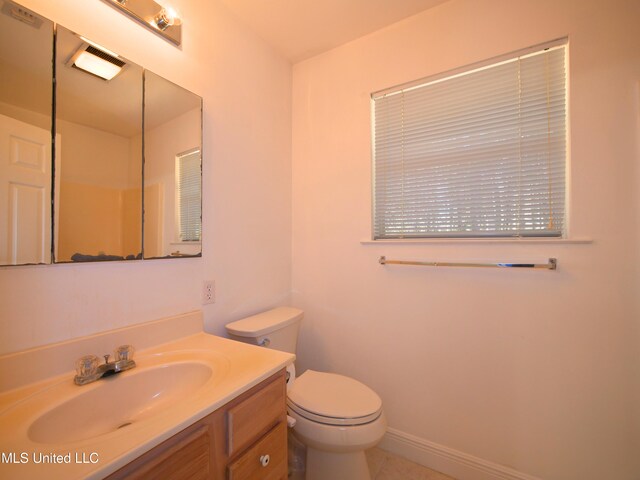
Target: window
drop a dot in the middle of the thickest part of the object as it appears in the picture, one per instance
(481, 153)
(188, 198)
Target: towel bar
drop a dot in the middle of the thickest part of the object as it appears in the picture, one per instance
(550, 265)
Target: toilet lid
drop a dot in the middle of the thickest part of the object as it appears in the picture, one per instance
(333, 399)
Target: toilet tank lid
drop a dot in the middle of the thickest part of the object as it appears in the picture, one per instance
(265, 322)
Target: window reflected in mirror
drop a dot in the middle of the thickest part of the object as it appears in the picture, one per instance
(188, 197)
(99, 122)
(26, 53)
(172, 170)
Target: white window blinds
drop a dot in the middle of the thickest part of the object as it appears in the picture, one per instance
(477, 154)
(189, 203)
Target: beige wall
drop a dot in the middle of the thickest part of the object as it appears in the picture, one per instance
(131, 221)
(247, 148)
(90, 220)
(534, 370)
(100, 207)
(96, 219)
(153, 220)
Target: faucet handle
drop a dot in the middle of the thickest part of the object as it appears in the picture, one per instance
(106, 358)
(124, 352)
(87, 365)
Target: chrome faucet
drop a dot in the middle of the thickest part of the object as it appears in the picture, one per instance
(88, 370)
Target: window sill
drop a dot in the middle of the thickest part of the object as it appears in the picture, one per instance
(491, 241)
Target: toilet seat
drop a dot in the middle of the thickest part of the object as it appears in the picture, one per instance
(333, 399)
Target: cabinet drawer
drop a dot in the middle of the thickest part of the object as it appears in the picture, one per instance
(254, 416)
(266, 460)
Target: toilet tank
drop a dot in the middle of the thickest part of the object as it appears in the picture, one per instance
(276, 329)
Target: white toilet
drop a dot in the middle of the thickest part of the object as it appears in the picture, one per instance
(337, 417)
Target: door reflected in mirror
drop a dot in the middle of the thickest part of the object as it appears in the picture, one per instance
(172, 170)
(99, 122)
(26, 53)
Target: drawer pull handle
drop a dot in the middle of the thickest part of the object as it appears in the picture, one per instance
(264, 460)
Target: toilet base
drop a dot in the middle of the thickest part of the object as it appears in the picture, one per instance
(322, 465)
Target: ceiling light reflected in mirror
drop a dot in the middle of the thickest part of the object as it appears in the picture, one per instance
(97, 62)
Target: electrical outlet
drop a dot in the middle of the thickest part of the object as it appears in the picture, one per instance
(208, 292)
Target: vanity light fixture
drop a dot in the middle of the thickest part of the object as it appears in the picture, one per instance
(160, 19)
(98, 61)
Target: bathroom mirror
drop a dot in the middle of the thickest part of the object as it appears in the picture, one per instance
(26, 53)
(71, 187)
(172, 169)
(99, 144)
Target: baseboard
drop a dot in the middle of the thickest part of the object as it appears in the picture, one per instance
(459, 465)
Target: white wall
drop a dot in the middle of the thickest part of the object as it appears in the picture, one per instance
(534, 370)
(247, 188)
(160, 168)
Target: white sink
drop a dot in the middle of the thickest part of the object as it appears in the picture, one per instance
(119, 401)
(177, 381)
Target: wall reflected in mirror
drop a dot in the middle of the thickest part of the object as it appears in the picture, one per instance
(99, 126)
(26, 53)
(172, 170)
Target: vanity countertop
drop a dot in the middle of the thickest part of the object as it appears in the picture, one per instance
(231, 369)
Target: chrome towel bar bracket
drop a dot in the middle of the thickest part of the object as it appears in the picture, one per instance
(550, 265)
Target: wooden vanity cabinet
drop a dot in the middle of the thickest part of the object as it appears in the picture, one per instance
(244, 440)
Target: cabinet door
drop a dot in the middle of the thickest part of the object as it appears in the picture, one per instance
(266, 460)
(182, 457)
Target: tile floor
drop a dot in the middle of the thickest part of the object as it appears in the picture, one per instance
(384, 465)
(387, 466)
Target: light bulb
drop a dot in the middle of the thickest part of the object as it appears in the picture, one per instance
(167, 17)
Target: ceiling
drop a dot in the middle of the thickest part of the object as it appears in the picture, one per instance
(300, 29)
